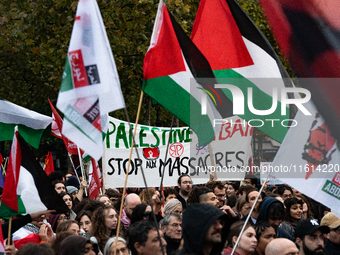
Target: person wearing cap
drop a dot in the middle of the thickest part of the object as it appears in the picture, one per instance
(309, 237)
(332, 242)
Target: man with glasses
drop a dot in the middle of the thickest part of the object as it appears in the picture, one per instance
(219, 191)
(332, 242)
(171, 226)
(185, 186)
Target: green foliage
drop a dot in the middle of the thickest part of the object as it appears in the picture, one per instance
(34, 38)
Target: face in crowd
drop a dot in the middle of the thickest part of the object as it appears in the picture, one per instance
(174, 229)
(220, 195)
(152, 245)
(185, 186)
(312, 244)
(59, 187)
(131, 201)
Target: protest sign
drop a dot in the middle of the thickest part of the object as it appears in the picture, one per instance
(231, 149)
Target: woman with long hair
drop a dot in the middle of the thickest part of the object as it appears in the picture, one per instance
(247, 243)
(306, 207)
(85, 223)
(70, 226)
(104, 225)
(69, 202)
(242, 207)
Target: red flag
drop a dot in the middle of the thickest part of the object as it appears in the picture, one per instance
(1, 159)
(9, 194)
(57, 125)
(49, 167)
(95, 183)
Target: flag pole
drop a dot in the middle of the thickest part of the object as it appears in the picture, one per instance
(213, 176)
(248, 217)
(166, 154)
(82, 168)
(142, 171)
(9, 231)
(128, 167)
(74, 169)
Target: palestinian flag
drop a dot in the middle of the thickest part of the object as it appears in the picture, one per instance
(27, 188)
(178, 77)
(30, 124)
(240, 55)
(308, 33)
(57, 126)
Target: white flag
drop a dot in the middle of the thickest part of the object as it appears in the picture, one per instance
(308, 159)
(90, 88)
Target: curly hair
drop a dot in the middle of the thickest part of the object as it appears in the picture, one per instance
(289, 202)
(144, 195)
(99, 229)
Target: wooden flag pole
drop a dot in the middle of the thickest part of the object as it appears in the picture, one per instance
(74, 169)
(213, 176)
(128, 168)
(9, 231)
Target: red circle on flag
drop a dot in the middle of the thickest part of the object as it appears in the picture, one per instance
(176, 150)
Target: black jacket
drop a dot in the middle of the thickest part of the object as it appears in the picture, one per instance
(268, 201)
(197, 219)
(331, 248)
(172, 245)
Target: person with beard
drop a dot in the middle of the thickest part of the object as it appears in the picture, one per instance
(309, 237)
(332, 242)
(131, 201)
(219, 190)
(205, 229)
(184, 183)
(171, 226)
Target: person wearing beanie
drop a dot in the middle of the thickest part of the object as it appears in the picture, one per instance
(173, 205)
(73, 191)
(332, 242)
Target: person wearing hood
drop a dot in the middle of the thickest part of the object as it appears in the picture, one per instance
(205, 229)
(272, 211)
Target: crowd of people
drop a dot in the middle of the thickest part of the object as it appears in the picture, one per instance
(214, 218)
